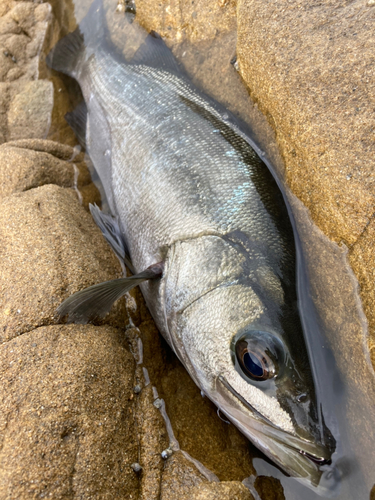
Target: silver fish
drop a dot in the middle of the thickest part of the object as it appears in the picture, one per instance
(210, 237)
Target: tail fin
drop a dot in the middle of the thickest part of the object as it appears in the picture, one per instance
(76, 47)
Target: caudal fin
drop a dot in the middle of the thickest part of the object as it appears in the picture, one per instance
(75, 48)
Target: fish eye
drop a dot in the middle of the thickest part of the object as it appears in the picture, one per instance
(259, 355)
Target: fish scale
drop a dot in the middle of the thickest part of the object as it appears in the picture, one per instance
(203, 188)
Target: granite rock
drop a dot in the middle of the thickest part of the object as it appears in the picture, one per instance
(25, 110)
(50, 248)
(23, 28)
(228, 490)
(29, 163)
(66, 417)
(311, 69)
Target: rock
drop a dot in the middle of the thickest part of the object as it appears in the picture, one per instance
(319, 100)
(269, 487)
(23, 27)
(30, 108)
(361, 258)
(179, 477)
(309, 67)
(30, 111)
(197, 21)
(30, 163)
(66, 417)
(153, 440)
(26, 110)
(50, 248)
(231, 490)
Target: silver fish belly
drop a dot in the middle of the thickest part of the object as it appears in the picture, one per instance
(191, 193)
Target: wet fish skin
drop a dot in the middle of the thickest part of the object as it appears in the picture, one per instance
(190, 191)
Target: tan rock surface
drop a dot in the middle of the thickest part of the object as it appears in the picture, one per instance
(66, 420)
(232, 490)
(23, 28)
(311, 69)
(30, 163)
(50, 248)
(30, 110)
(179, 477)
(269, 487)
(25, 110)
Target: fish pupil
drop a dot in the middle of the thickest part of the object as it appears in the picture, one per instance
(253, 364)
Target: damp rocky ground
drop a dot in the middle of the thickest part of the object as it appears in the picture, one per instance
(81, 406)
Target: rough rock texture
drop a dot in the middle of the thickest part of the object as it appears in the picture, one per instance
(23, 27)
(25, 110)
(26, 103)
(30, 110)
(362, 259)
(27, 31)
(179, 477)
(311, 68)
(269, 487)
(50, 248)
(26, 164)
(219, 491)
(66, 420)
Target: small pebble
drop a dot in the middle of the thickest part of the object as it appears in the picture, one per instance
(136, 467)
(166, 453)
(157, 403)
(137, 389)
(14, 59)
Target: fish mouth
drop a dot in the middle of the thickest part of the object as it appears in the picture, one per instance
(308, 461)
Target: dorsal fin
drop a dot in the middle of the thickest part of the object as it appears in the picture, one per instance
(67, 54)
(77, 120)
(154, 52)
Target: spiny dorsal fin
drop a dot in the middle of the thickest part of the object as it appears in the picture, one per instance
(97, 300)
(154, 52)
(64, 55)
(110, 228)
(77, 120)
(78, 45)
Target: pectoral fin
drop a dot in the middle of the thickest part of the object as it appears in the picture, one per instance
(98, 299)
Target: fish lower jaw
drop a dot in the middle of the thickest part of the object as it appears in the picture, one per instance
(304, 460)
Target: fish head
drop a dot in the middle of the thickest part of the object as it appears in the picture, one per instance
(244, 347)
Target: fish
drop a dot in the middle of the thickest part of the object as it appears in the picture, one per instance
(202, 221)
